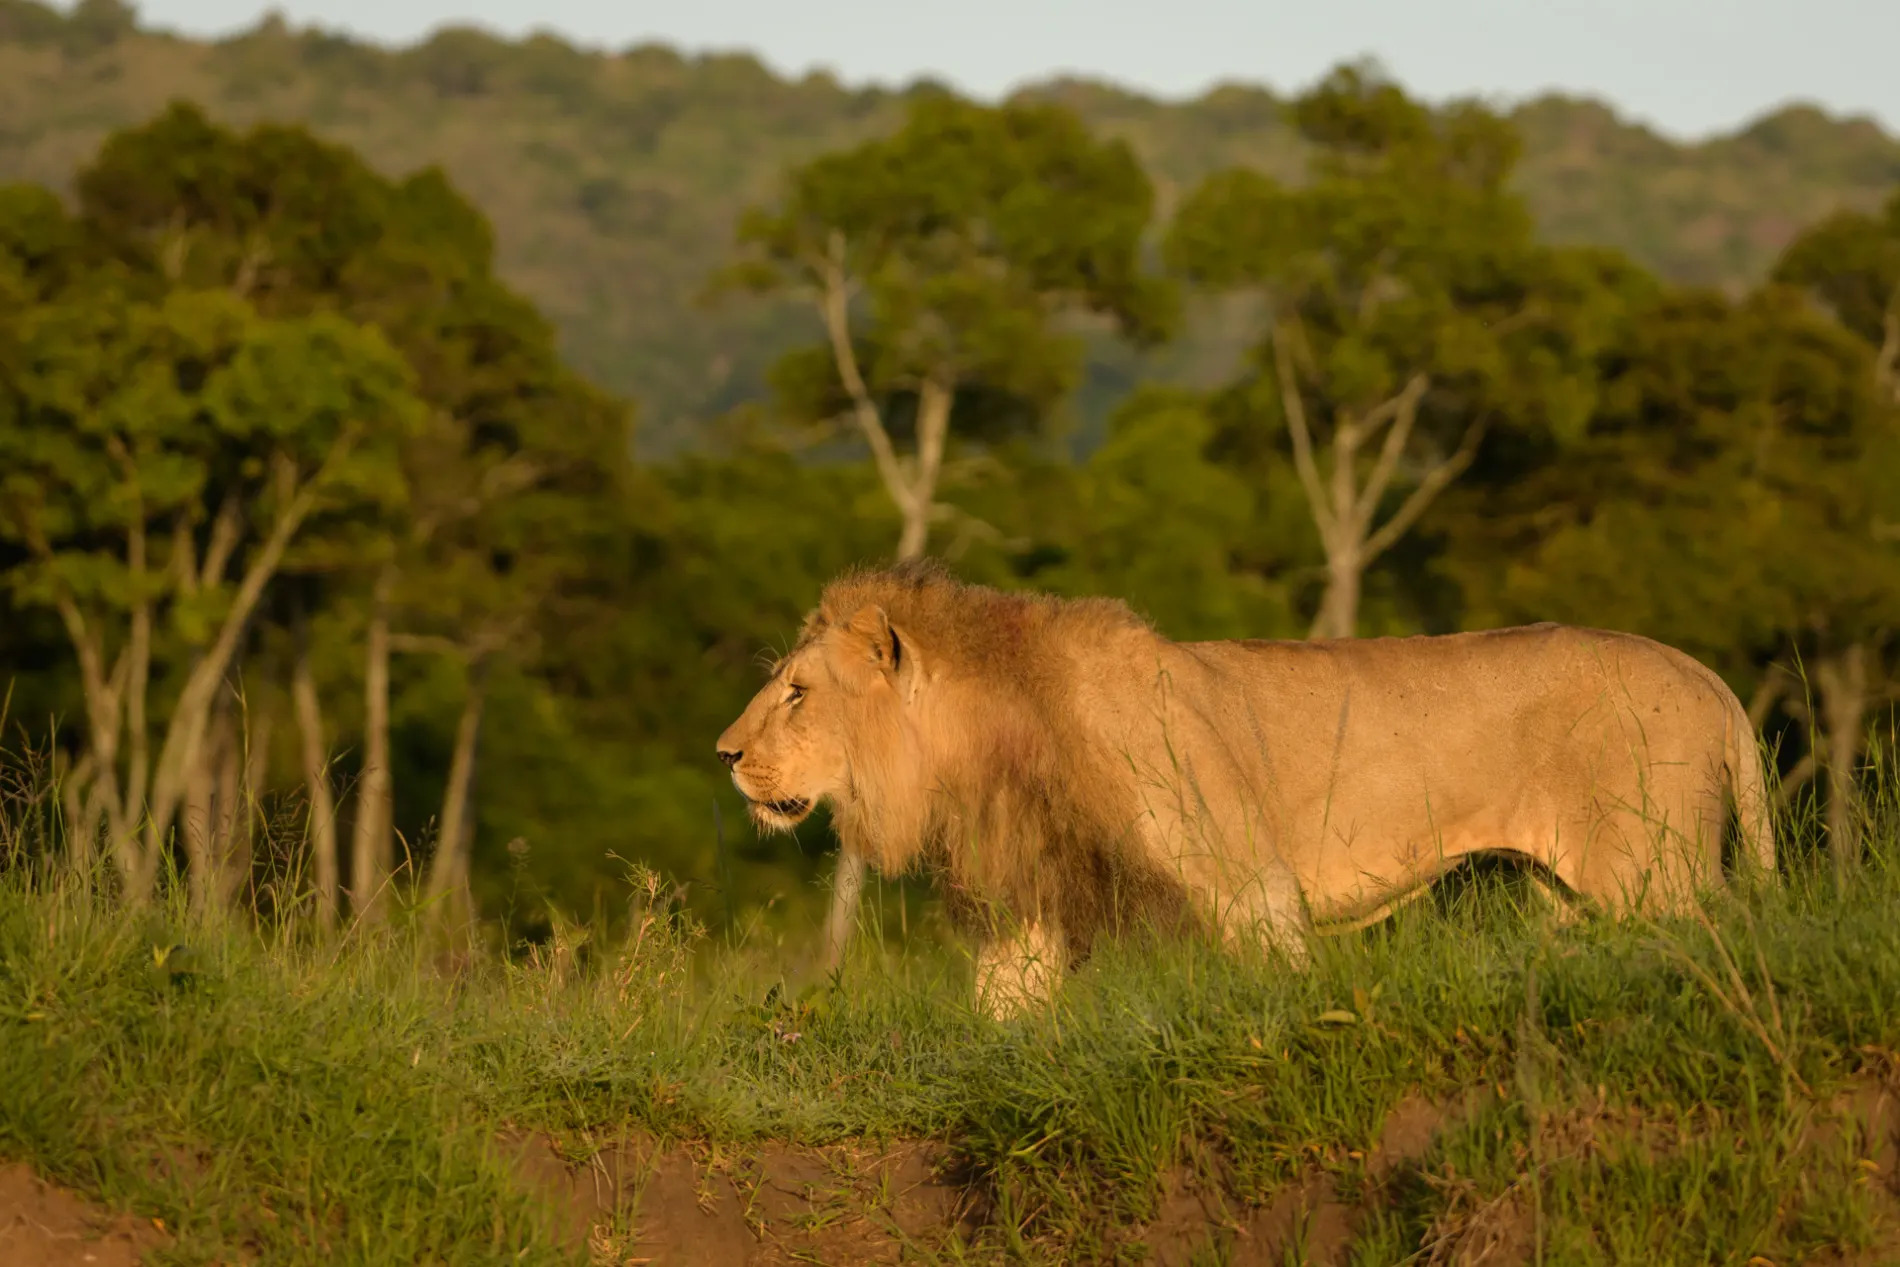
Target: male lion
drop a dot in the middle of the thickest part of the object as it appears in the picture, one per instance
(1068, 768)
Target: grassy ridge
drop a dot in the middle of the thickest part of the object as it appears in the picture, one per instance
(1650, 1093)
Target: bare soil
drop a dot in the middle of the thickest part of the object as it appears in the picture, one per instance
(45, 1226)
(684, 1206)
(636, 1201)
(1308, 1221)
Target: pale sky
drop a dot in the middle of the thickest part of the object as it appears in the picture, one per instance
(1686, 67)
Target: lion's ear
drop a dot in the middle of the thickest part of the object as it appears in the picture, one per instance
(872, 627)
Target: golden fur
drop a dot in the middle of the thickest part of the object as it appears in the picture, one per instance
(1070, 770)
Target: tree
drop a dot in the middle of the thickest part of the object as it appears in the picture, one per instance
(1408, 311)
(519, 463)
(160, 457)
(291, 225)
(1851, 262)
(948, 265)
(510, 446)
(234, 280)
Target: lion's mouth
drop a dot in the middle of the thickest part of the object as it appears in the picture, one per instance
(791, 808)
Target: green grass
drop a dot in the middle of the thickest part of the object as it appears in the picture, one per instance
(1651, 1093)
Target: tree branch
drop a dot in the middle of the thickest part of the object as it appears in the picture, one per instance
(1428, 488)
(257, 253)
(1773, 686)
(1403, 410)
(184, 557)
(225, 531)
(139, 654)
(1294, 407)
(504, 479)
(1345, 504)
(934, 400)
(427, 644)
(834, 306)
(511, 475)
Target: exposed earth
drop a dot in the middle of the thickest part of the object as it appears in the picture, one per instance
(638, 1202)
(45, 1226)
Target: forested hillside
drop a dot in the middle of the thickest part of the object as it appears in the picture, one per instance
(613, 181)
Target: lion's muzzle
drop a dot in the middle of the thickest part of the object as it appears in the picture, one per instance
(778, 815)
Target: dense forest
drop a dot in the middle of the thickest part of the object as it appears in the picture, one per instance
(334, 576)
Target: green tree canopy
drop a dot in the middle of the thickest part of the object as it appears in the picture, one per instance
(1409, 311)
(949, 263)
(1851, 262)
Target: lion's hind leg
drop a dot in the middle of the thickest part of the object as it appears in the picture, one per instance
(1384, 911)
(1558, 904)
(1649, 863)
(1533, 889)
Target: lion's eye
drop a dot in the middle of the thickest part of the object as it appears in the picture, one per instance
(797, 693)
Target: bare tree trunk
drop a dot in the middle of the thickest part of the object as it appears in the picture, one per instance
(1339, 607)
(138, 666)
(124, 804)
(202, 811)
(841, 920)
(102, 805)
(448, 871)
(315, 752)
(230, 812)
(92, 794)
(934, 399)
(1842, 679)
(933, 429)
(916, 532)
(82, 836)
(241, 784)
(138, 674)
(369, 844)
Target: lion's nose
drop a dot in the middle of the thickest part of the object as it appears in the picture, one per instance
(730, 756)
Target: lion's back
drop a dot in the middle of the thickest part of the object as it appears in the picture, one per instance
(1470, 715)
(1547, 662)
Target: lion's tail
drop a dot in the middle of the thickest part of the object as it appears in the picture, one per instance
(1748, 786)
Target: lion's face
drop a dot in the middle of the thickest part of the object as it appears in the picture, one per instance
(829, 705)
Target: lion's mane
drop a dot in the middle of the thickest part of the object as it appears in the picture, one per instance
(1016, 816)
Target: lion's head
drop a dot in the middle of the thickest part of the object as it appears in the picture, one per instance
(934, 719)
(837, 716)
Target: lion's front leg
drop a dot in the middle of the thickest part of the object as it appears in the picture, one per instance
(1019, 968)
